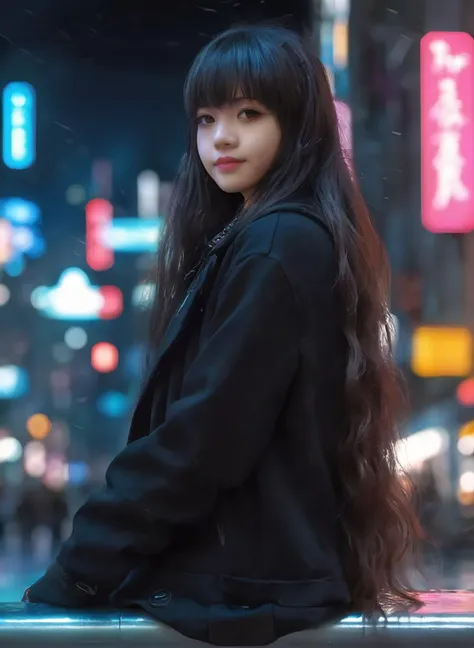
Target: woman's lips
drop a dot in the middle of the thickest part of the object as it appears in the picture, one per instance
(228, 165)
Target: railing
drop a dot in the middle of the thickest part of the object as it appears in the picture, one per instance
(446, 620)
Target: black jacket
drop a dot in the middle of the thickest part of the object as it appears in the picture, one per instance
(221, 517)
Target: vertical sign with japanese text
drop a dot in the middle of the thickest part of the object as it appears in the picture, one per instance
(447, 132)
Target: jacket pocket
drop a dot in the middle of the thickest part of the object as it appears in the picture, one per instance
(301, 593)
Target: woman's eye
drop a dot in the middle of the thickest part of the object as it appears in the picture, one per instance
(250, 114)
(204, 119)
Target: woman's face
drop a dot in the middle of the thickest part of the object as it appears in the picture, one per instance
(237, 144)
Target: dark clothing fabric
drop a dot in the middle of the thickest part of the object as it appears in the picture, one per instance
(221, 517)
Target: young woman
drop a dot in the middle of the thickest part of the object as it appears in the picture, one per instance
(258, 494)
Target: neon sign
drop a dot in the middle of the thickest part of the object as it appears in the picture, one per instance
(20, 235)
(75, 298)
(106, 235)
(19, 125)
(148, 194)
(131, 235)
(447, 132)
(99, 214)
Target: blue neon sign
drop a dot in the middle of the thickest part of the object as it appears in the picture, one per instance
(19, 125)
(19, 211)
(133, 234)
(26, 237)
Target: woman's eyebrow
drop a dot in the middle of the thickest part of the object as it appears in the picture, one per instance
(231, 102)
(240, 100)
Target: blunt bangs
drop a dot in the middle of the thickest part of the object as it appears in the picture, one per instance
(237, 64)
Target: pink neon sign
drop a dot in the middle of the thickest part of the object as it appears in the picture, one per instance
(447, 132)
(99, 214)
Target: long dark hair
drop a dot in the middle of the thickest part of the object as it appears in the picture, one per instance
(274, 66)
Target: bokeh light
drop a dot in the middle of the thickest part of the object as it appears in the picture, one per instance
(75, 338)
(38, 426)
(34, 459)
(465, 392)
(104, 357)
(4, 294)
(75, 194)
(62, 353)
(10, 449)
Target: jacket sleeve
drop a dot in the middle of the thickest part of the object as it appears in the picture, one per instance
(213, 436)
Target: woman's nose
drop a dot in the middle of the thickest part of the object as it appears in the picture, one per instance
(224, 136)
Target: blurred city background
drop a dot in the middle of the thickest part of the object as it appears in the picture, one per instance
(92, 132)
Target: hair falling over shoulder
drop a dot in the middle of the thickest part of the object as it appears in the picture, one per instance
(380, 523)
(262, 62)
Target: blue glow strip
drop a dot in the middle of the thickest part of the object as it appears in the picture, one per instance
(19, 125)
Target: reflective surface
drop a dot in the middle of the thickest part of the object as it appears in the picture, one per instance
(447, 619)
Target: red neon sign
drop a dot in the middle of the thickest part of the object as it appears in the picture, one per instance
(112, 305)
(447, 132)
(99, 215)
(465, 392)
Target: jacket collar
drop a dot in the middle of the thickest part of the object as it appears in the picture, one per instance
(230, 231)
